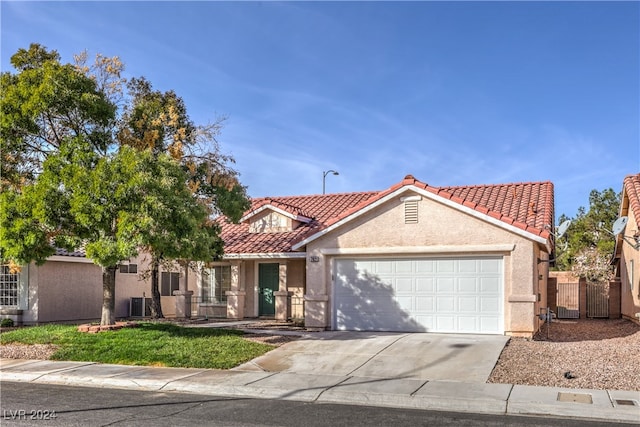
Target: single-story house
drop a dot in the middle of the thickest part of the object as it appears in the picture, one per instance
(627, 250)
(413, 257)
(464, 259)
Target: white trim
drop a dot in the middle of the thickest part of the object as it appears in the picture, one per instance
(300, 218)
(411, 199)
(431, 196)
(64, 258)
(417, 250)
(266, 255)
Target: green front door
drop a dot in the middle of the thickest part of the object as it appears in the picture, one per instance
(268, 283)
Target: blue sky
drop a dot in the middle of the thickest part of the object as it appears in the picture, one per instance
(454, 93)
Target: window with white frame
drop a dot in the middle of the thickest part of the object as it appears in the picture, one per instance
(9, 286)
(216, 281)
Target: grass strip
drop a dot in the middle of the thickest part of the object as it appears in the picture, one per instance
(149, 344)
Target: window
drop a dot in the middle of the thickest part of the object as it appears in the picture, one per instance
(128, 268)
(216, 281)
(9, 286)
(169, 282)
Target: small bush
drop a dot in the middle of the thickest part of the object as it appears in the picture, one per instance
(6, 323)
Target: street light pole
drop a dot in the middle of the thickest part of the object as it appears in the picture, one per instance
(324, 177)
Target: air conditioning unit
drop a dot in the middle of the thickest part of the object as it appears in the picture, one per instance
(136, 307)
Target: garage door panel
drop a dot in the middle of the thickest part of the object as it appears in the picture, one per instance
(468, 304)
(467, 266)
(490, 265)
(490, 284)
(425, 266)
(445, 284)
(468, 285)
(425, 304)
(445, 266)
(425, 285)
(445, 304)
(404, 284)
(467, 324)
(445, 323)
(489, 304)
(424, 294)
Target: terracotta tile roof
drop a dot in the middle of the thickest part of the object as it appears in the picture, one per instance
(632, 188)
(320, 208)
(527, 206)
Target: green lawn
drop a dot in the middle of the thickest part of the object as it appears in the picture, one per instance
(149, 344)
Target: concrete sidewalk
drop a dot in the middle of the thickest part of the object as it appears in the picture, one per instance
(609, 405)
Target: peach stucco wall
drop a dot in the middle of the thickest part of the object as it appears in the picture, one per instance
(630, 280)
(441, 230)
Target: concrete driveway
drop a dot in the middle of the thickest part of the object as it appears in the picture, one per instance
(424, 356)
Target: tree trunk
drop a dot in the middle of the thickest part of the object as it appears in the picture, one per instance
(156, 305)
(108, 296)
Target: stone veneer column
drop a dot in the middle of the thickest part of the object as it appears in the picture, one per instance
(282, 294)
(236, 296)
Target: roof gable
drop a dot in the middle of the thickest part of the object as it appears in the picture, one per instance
(522, 208)
(531, 205)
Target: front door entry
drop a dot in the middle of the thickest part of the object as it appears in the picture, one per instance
(268, 283)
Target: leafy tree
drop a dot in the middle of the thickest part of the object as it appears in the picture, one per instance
(74, 172)
(43, 104)
(158, 121)
(590, 230)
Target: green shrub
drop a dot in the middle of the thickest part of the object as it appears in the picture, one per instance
(6, 323)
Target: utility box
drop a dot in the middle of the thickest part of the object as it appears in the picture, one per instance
(137, 305)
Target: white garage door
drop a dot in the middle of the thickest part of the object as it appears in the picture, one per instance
(463, 295)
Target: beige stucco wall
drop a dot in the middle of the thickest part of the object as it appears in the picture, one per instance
(443, 231)
(630, 281)
(64, 291)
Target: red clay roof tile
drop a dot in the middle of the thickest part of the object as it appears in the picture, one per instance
(632, 188)
(509, 203)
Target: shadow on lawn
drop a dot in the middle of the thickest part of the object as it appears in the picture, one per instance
(181, 331)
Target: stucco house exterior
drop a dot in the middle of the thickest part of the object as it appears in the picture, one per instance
(466, 259)
(627, 250)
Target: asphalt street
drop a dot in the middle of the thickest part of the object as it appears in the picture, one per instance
(28, 404)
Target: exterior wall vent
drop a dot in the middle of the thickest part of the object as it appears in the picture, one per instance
(411, 212)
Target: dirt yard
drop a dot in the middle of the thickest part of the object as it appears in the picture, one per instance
(593, 353)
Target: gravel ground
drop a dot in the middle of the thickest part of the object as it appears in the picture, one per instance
(600, 354)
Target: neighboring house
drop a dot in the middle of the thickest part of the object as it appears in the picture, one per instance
(627, 251)
(67, 287)
(469, 259)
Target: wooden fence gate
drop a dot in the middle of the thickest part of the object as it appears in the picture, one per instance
(597, 300)
(568, 301)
